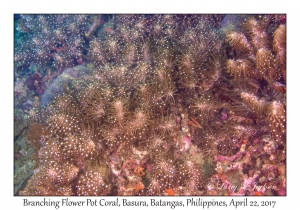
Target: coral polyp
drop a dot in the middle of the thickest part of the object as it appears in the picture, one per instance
(168, 174)
(276, 117)
(150, 104)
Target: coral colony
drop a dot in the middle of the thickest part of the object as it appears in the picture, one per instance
(150, 104)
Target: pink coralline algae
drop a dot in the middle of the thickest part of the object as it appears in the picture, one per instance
(186, 143)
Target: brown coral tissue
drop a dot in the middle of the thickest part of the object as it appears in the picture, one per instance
(161, 104)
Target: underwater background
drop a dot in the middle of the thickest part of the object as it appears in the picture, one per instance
(172, 104)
